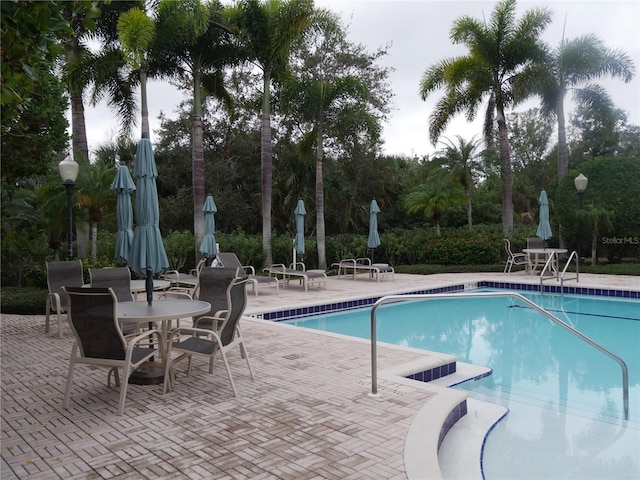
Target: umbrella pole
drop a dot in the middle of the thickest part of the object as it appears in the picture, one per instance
(148, 285)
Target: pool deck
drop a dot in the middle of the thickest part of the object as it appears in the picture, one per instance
(307, 415)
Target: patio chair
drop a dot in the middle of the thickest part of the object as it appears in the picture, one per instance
(231, 260)
(535, 259)
(215, 333)
(514, 258)
(119, 280)
(99, 341)
(60, 274)
(183, 282)
(298, 271)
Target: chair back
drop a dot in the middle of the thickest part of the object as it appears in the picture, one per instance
(60, 274)
(535, 242)
(93, 317)
(118, 279)
(229, 260)
(213, 283)
(507, 247)
(237, 298)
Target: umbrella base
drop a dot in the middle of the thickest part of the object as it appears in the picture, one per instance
(148, 374)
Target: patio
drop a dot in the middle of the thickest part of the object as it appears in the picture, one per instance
(306, 416)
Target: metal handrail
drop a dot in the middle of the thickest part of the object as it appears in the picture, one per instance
(451, 296)
(548, 263)
(564, 270)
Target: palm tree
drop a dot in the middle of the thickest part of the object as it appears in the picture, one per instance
(136, 32)
(570, 67)
(435, 197)
(193, 46)
(461, 161)
(597, 219)
(498, 53)
(96, 195)
(268, 30)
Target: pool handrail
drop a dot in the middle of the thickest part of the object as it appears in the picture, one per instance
(449, 296)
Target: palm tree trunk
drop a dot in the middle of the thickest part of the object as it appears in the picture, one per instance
(197, 161)
(507, 172)
(144, 110)
(320, 226)
(469, 218)
(266, 173)
(563, 163)
(594, 247)
(94, 240)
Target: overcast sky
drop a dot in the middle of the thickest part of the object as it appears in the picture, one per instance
(418, 34)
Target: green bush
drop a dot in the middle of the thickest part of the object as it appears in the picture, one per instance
(23, 301)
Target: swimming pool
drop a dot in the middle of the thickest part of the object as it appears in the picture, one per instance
(564, 398)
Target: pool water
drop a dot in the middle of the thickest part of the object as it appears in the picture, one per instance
(564, 397)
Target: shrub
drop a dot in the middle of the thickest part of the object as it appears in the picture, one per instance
(23, 301)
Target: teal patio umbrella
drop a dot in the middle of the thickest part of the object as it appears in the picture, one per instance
(123, 185)
(374, 238)
(298, 244)
(148, 256)
(544, 228)
(208, 247)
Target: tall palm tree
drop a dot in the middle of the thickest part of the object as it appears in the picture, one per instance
(193, 46)
(571, 66)
(269, 29)
(137, 32)
(460, 159)
(498, 52)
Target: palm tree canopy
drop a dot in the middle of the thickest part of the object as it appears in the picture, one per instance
(498, 53)
(136, 31)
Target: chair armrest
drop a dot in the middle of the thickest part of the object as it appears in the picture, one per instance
(248, 269)
(178, 293)
(275, 268)
(363, 261)
(296, 265)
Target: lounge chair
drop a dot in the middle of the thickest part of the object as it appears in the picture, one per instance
(230, 260)
(61, 274)
(364, 265)
(99, 341)
(298, 271)
(514, 258)
(183, 282)
(212, 333)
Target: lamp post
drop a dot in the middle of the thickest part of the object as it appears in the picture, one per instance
(580, 183)
(68, 170)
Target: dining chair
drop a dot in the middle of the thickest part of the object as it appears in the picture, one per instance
(514, 258)
(215, 333)
(99, 341)
(59, 274)
(119, 280)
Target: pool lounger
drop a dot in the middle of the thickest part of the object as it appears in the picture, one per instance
(307, 277)
(352, 267)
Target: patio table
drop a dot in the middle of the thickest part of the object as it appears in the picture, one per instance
(546, 253)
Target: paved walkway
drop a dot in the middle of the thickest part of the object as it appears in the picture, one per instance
(306, 416)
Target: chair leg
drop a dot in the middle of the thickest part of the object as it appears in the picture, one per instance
(123, 388)
(226, 365)
(243, 353)
(48, 313)
(72, 363)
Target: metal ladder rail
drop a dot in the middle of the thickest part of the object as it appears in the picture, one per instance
(451, 296)
(549, 262)
(564, 271)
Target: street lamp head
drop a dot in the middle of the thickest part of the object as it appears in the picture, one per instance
(68, 169)
(581, 183)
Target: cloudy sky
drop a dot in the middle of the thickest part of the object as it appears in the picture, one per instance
(418, 34)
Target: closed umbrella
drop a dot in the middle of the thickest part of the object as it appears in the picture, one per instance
(374, 238)
(544, 228)
(208, 247)
(298, 244)
(123, 185)
(148, 256)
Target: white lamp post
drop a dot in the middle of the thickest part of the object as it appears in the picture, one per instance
(68, 170)
(580, 183)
